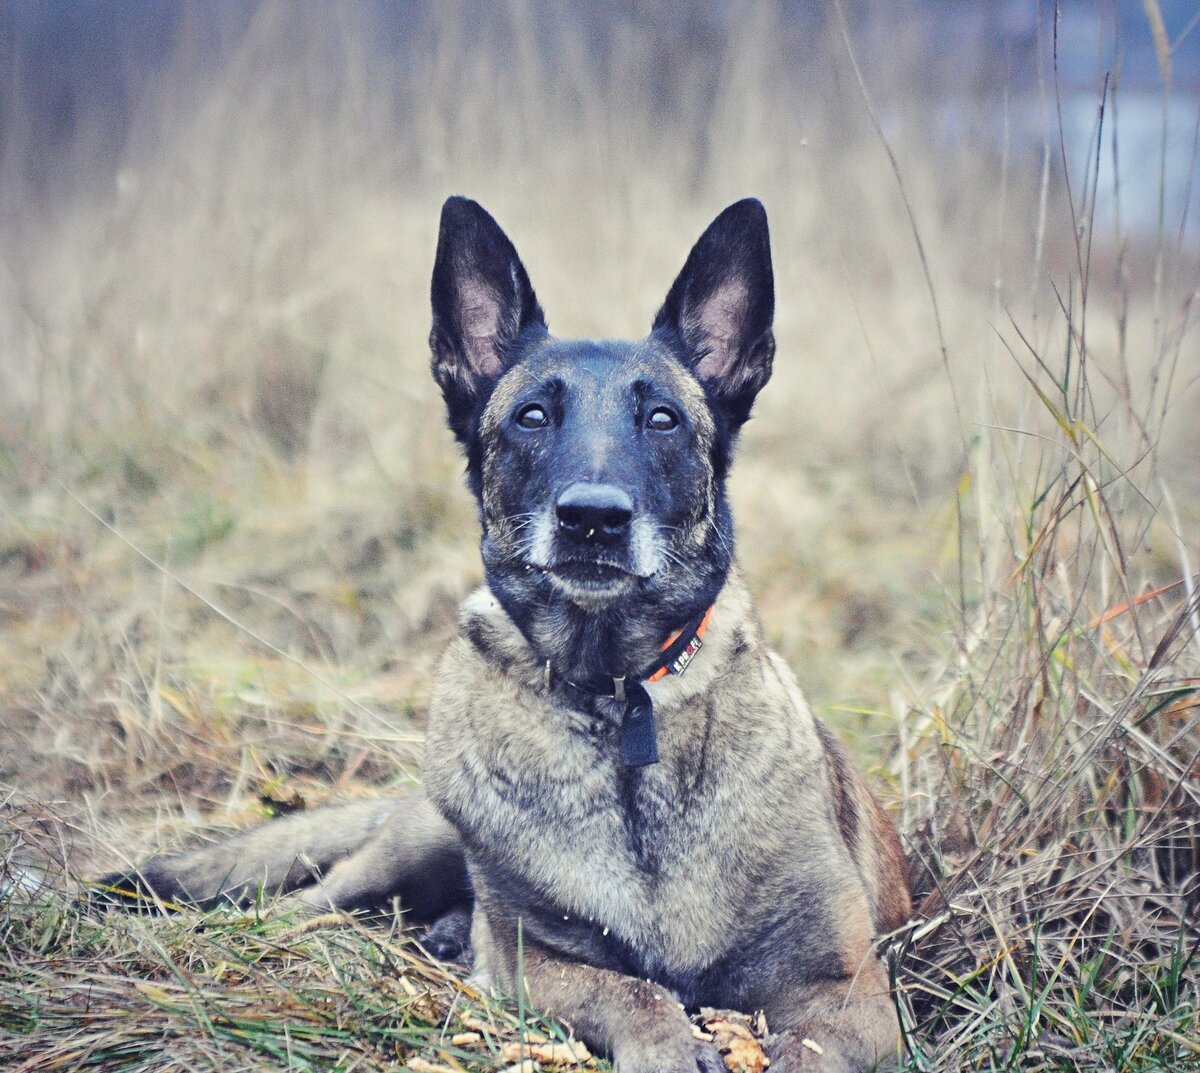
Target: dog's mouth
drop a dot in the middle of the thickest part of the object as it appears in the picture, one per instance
(590, 577)
(590, 572)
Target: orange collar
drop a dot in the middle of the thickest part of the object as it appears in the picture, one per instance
(639, 738)
(680, 663)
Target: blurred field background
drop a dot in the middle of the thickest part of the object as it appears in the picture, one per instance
(234, 534)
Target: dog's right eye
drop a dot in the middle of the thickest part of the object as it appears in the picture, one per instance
(662, 419)
(532, 416)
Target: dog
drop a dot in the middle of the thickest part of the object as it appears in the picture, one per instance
(623, 785)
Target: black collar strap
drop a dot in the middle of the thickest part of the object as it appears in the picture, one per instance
(639, 739)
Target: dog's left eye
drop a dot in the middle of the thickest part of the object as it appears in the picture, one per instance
(661, 419)
(532, 416)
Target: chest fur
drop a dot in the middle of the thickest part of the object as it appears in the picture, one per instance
(631, 853)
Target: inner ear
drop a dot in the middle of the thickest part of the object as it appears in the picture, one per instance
(480, 325)
(483, 303)
(721, 307)
(715, 329)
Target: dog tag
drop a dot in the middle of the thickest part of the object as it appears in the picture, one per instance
(639, 742)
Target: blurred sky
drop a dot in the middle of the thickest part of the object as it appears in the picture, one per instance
(72, 71)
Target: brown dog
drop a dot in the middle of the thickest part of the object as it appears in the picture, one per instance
(635, 836)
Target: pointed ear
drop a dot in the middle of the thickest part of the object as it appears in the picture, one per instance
(482, 303)
(721, 308)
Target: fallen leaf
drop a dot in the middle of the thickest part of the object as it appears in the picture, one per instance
(736, 1037)
(422, 1065)
(570, 1053)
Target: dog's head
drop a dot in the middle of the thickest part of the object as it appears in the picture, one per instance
(599, 466)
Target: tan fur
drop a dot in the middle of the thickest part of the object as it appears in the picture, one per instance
(497, 739)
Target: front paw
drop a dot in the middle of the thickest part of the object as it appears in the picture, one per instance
(682, 1054)
(799, 1054)
(449, 937)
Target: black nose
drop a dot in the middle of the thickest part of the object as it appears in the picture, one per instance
(598, 513)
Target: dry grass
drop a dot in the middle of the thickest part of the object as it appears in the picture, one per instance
(1051, 778)
(234, 532)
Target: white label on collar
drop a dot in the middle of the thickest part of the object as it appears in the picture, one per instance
(686, 656)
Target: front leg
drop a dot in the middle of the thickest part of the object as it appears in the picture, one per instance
(844, 1025)
(640, 1025)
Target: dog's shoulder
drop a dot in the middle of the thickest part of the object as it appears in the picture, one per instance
(493, 728)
